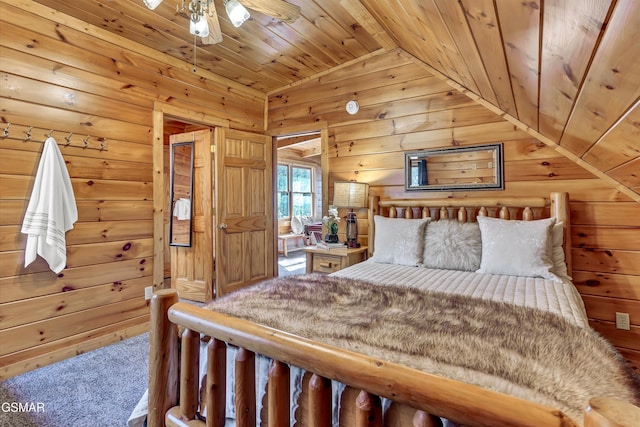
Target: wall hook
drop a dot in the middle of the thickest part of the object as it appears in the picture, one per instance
(28, 134)
(50, 133)
(5, 134)
(68, 138)
(103, 144)
(86, 141)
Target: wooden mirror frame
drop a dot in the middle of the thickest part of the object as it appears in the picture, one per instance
(181, 173)
(489, 176)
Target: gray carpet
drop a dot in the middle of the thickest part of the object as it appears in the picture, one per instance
(97, 388)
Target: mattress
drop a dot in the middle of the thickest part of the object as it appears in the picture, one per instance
(560, 298)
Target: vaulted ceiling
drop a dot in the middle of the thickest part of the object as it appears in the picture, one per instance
(567, 71)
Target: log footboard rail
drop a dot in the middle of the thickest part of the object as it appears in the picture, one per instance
(175, 396)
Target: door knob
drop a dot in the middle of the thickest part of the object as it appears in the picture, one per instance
(222, 226)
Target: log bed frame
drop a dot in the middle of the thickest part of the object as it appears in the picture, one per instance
(175, 392)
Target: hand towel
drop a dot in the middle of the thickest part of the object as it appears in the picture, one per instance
(51, 211)
(182, 209)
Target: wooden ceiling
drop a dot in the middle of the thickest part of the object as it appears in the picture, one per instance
(567, 70)
(302, 145)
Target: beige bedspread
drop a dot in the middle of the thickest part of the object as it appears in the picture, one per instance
(525, 352)
(560, 298)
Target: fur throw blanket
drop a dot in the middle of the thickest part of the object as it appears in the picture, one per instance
(520, 351)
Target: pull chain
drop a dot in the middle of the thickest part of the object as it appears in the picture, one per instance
(195, 53)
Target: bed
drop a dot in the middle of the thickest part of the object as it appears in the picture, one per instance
(413, 336)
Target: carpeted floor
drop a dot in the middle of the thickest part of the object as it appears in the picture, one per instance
(98, 388)
(95, 389)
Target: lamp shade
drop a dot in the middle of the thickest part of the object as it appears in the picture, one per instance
(199, 27)
(152, 4)
(350, 194)
(236, 12)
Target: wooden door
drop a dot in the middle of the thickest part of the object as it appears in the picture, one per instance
(244, 238)
(192, 268)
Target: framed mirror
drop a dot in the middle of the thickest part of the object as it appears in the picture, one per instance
(181, 171)
(455, 169)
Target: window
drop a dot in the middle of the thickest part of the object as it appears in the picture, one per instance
(295, 191)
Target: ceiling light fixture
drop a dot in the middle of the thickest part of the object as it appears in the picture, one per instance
(152, 4)
(204, 21)
(237, 13)
(200, 27)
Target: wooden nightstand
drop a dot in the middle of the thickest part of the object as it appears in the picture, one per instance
(334, 259)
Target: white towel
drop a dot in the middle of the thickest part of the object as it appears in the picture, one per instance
(182, 209)
(52, 210)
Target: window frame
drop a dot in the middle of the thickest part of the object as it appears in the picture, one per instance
(290, 193)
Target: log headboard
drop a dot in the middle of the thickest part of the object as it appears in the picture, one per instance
(467, 209)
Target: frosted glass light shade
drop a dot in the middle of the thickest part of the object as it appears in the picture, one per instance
(237, 13)
(200, 27)
(152, 4)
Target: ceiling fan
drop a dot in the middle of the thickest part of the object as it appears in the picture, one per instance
(203, 18)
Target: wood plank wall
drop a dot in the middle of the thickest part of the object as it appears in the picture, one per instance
(403, 108)
(60, 74)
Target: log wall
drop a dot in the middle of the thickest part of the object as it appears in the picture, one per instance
(63, 75)
(404, 108)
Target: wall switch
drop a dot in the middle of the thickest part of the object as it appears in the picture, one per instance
(622, 321)
(148, 291)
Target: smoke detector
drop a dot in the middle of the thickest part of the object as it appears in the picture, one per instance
(352, 107)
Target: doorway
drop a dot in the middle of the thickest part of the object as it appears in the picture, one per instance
(242, 222)
(172, 129)
(191, 202)
(299, 195)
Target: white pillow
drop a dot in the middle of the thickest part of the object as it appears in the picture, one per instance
(517, 248)
(557, 253)
(452, 245)
(398, 240)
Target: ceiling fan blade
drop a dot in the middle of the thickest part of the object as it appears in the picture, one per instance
(215, 34)
(278, 9)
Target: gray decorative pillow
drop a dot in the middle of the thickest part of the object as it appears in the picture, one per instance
(452, 245)
(398, 240)
(517, 248)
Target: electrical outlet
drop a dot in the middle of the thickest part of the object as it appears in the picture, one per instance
(148, 291)
(622, 321)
